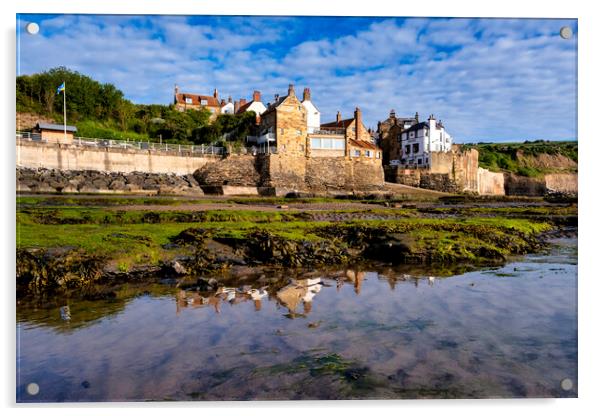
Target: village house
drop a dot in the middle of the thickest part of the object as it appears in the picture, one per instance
(349, 134)
(227, 107)
(313, 114)
(421, 139)
(187, 101)
(389, 135)
(289, 125)
(254, 105)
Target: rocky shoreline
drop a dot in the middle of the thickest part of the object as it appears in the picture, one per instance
(93, 182)
(209, 259)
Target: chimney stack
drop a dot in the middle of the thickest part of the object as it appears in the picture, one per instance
(392, 113)
(416, 117)
(256, 96)
(236, 106)
(243, 101)
(230, 99)
(291, 89)
(339, 117)
(358, 122)
(215, 93)
(176, 89)
(222, 103)
(306, 95)
(276, 98)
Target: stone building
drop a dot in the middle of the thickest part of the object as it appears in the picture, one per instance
(349, 135)
(389, 135)
(187, 101)
(289, 158)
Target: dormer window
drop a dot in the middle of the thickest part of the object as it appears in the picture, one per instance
(188, 100)
(203, 102)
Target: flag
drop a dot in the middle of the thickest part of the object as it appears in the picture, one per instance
(60, 88)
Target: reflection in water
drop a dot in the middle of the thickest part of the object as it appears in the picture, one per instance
(391, 333)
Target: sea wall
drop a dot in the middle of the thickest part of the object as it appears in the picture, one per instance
(96, 182)
(287, 173)
(36, 155)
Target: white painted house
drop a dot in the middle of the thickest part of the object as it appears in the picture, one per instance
(313, 114)
(255, 105)
(227, 107)
(422, 139)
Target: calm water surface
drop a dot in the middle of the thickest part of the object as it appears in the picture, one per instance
(505, 332)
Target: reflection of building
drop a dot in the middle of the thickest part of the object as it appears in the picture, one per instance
(231, 295)
(356, 278)
(297, 292)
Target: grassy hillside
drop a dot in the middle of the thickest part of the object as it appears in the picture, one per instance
(101, 111)
(531, 159)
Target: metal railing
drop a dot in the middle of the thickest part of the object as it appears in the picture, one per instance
(333, 131)
(132, 144)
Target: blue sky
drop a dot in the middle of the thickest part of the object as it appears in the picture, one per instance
(487, 79)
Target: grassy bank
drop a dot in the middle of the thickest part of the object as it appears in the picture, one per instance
(532, 159)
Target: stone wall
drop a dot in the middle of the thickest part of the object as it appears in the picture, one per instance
(72, 157)
(234, 170)
(95, 182)
(455, 171)
(288, 173)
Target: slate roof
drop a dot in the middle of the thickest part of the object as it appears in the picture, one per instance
(343, 123)
(55, 127)
(362, 144)
(419, 126)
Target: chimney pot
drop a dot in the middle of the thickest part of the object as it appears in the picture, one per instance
(215, 95)
(306, 94)
(339, 117)
(291, 89)
(256, 96)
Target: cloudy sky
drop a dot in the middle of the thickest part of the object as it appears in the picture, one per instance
(487, 79)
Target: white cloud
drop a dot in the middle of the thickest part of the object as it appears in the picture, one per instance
(487, 79)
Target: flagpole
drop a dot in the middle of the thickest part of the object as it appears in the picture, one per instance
(65, 110)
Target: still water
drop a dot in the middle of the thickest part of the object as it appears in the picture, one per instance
(504, 332)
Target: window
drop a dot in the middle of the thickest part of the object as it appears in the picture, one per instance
(415, 148)
(408, 148)
(357, 153)
(327, 143)
(188, 100)
(411, 134)
(420, 161)
(426, 161)
(368, 153)
(338, 144)
(378, 155)
(203, 102)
